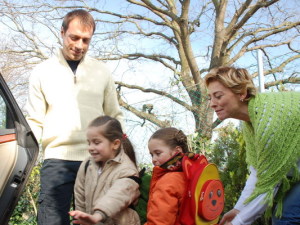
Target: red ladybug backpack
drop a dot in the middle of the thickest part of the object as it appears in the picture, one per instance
(204, 199)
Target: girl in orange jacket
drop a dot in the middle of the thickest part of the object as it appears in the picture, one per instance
(168, 185)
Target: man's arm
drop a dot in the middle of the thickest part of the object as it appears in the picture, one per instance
(35, 106)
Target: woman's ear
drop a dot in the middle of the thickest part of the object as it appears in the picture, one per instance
(243, 95)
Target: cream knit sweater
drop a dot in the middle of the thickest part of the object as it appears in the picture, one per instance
(59, 110)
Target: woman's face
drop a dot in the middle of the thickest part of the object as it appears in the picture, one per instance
(223, 101)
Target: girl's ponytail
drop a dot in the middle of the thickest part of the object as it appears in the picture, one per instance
(128, 148)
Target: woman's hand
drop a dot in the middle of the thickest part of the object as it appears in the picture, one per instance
(228, 223)
(228, 217)
(85, 218)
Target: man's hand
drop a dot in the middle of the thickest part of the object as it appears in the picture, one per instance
(85, 218)
(228, 217)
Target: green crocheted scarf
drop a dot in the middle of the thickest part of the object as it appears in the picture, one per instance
(273, 143)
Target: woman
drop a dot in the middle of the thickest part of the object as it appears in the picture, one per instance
(271, 130)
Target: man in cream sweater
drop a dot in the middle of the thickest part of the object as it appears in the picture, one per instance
(66, 92)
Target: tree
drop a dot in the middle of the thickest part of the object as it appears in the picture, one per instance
(183, 38)
(14, 71)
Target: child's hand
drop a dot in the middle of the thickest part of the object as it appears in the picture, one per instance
(85, 218)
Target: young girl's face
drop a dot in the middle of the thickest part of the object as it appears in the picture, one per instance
(100, 148)
(160, 152)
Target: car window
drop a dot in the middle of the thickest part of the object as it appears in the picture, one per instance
(8, 149)
(6, 121)
(2, 113)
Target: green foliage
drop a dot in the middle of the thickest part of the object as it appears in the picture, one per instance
(148, 167)
(26, 211)
(141, 206)
(199, 144)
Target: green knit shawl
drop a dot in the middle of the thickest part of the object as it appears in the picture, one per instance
(273, 143)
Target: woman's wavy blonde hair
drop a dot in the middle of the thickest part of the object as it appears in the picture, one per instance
(236, 79)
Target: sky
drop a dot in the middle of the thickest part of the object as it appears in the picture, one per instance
(152, 75)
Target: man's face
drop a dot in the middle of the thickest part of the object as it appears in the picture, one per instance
(76, 40)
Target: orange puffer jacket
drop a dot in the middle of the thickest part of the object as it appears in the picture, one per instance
(167, 190)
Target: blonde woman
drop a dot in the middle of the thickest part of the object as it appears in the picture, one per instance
(271, 130)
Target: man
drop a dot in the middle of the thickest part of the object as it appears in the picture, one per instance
(66, 92)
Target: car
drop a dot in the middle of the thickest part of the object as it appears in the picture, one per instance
(18, 152)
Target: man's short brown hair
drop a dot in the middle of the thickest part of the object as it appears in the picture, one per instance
(84, 17)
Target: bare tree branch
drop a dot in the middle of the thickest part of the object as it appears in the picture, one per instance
(143, 115)
(161, 93)
(290, 80)
(280, 67)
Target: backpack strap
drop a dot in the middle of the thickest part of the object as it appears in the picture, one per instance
(87, 163)
(142, 172)
(139, 182)
(136, 179)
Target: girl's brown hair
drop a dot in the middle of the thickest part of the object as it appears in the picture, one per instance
(172, 137)
(111, 129)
